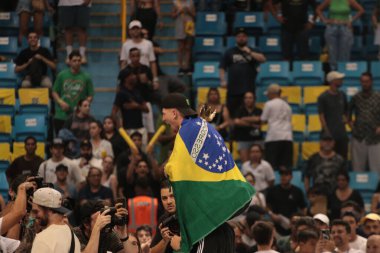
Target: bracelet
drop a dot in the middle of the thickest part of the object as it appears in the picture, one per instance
(124, 239)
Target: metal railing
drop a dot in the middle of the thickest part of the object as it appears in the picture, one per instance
(123, 20)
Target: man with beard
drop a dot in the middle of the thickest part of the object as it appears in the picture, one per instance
(86, 160)
(371, 224)
(49, 212)
(340, 232)
(240, 62)
(94, 189)
(332, 109)
(323, 166)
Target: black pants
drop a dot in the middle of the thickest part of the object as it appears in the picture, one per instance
(279, 153)
(234, 103)
(299, 38)
(221, 240)
(341, 147)
(58, 125)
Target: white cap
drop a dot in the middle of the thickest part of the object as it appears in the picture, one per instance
(334, 75)
(135, 23)
(323, 218)
(50, 198)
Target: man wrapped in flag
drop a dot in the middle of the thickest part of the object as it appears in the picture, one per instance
(208, 187)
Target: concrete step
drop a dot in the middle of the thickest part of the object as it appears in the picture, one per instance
(105, 18)
(101, 106)
(110, 31)
(106, 7)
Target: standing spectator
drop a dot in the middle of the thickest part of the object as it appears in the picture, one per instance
(240, 62)
(32, 63)
(113, 136)
(25, 164)
(86, 160)
(221, 121)
(147, 12)
(261, 169)
(66, 189)
(100, 146)
(47, 168)
(338, 34)
(247, 126)
(263, 233)
(366, 127)
(371, 224)
(109, 179)
(340, 233)
(74, 17)
(332, 109)
(57, 236)
(373, 244)
(71, 85)
(342, 194)
(322, 167)
(146, 49)
(356, 241)
(376, 24)
(184, 16)
(295, 26)
(278, 141)
(131, 104)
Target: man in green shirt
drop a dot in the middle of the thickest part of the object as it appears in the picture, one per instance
(71, 86)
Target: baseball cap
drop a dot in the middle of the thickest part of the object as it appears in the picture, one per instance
(370, 216)
(179, 102)
(134, 23)
(333, 75)
(326, 136)
(61, 167)
(58, 142)
(240, 30)
(323, 218)
(273, 88)
(86, 143)
(50, 198)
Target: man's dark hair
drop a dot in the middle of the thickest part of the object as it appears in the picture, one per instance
(350, 214)
(133, 49)
(17, 181)
(306, 235)
(352, 204)
(74, 53)
(367, 73)
(136, 133)
(144, 228)
(262, 232)
(343, 223)
(30, 138)
(165, 184)
(343, 173)
(88, 209)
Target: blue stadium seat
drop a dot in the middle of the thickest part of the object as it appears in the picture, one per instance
(8, 46)
(231, 42)
(274, 72)
(365, 183)
(375, 66)
(29, 124)
(273, 26)
(270, 46)
(210, 24)
(8, 78)
(208, 48)
(206, 74)
(353, 71)
(9, 23)
(253, 22)
(357, 48)
(4, 186)
(307, 73)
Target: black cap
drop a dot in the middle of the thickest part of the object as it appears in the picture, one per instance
(179, 102)
(326, 136)
(285, 170)
(86, 143)
(240, 30)
(61, 167)
(58, 142)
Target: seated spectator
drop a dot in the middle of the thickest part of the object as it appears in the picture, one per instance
(340, 233)
(279, 139)
(307, 241)
(283, 200)
(47, 168)
(353, 207)
(260, 168)
(25, 164)
(86, 160)
(100, 146)
(33, 62)
(342, 194)
(264, 232)
(94, 190)
(131, 104)
(112, 135)
(144, 234)
(109, 179)
(133, 244)
(146, 48)
(91, 232)
(259, 198)
(321, 221)
(371, 224)
(356, 241)
(373, 243)
(247, 126)
(71, 85)
(184, 14)
(79, 122)
(323, 167)
(66, 189)
(339, 33)
(221, 120)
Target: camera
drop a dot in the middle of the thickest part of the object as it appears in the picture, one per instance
(172, 223)
(39, 184)
(115, 220)
(325, 234)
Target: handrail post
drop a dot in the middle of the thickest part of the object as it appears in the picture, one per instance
(123, 20)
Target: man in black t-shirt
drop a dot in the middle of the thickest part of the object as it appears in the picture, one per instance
(33, 62)
(295, 25)
(240, 62)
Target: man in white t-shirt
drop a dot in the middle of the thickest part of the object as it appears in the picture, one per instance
(57, 237)
(340, 233)
(263, 233)
(262, 170)
(278, 141)
(86, 159)
(146, 50)
(47, 168)
(356, 241)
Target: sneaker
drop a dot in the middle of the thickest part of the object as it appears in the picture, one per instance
(84, 60)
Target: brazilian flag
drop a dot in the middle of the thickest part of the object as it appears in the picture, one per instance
(208, 186)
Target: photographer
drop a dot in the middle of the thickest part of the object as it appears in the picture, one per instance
(96, 224)
(168, 238)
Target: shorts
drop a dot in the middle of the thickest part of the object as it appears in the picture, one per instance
(74, 16)
(24, 6)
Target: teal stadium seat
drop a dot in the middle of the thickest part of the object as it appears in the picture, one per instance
(353, 71)
(8, 46)
(366, 183)
(208, 48)
(8, 78)
(206, 74)
(270, 46)
(375, 70)
(210, 24)
(30, 125)
(253, 22)
(307, 73)
(274, 72)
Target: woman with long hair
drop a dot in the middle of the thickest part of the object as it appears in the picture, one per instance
(112, 135)
(100, 146)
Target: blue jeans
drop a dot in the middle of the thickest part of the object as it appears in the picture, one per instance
(339, 40)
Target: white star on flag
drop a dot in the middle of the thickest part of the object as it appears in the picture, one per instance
(205, 156)
(220, 167)
(210, 167)
(225, 162)
(214, 165)
(220, 158)
(199, 123)
(206, 163)
(200, 161)
(218, 142)
(224, 149)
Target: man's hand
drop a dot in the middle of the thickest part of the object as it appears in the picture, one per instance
(145, 247)
(38, 57)
(175, 242)
(246, 49)
(65, 107)
(165, 233)
(102, 220)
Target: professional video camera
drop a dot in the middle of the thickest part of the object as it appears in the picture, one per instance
(115, 220)
(172, 223)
